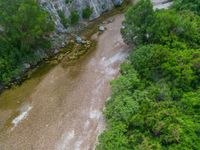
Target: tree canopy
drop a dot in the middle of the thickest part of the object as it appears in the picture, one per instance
(145, 26)
(193, 5)
(25, 28)
(155, 102)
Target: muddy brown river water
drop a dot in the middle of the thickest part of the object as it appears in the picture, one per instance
(60, 108)
(63, 111)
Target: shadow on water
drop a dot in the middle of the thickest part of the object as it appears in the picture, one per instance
(12, 99)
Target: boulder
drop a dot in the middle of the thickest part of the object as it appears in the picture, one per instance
(117, 2)
(56, 51)
(101, 28)
(79, 40)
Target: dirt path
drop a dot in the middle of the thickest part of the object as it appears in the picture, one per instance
(64, 112)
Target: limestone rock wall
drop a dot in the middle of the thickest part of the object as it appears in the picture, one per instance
(67, 6)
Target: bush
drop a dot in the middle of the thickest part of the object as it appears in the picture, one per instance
(63, 19)
(74, 18)
(87, 12)
(139, 19)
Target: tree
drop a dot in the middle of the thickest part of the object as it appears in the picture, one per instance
(144, 26)
(179, 67)
(26, 27)
(138, 19)
(179, 30)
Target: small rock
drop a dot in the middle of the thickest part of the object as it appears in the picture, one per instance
(18, 78)
(84, 42)
(111, 20)
(63, 44)
(56, 51)
(101, 28)
(123, 27)
(117, 2)
(147, 35)
(79, 40)
(27, 66)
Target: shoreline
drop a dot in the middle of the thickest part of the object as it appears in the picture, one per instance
(63, 51)
(13, 97)
(67, 103)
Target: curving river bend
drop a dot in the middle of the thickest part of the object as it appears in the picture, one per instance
(64, 112)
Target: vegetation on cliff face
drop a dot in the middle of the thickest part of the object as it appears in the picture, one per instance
(87, 12)
(25, 27)
(155, 103)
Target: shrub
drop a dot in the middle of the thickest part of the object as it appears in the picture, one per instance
(87, 12)
(139, 19)
(74, 18)
(63, 19)
(68, 1)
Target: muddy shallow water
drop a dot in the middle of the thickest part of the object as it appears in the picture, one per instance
(64, 111)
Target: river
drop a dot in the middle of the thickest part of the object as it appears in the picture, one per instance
(64, 111)
(60, 108)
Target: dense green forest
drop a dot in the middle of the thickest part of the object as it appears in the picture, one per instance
(24, 28)
(155, 103)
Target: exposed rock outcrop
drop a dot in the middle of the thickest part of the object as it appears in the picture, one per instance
(55, 7)
(118, 2)
(67, 6)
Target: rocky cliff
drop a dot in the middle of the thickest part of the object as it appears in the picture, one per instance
(67, 6)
